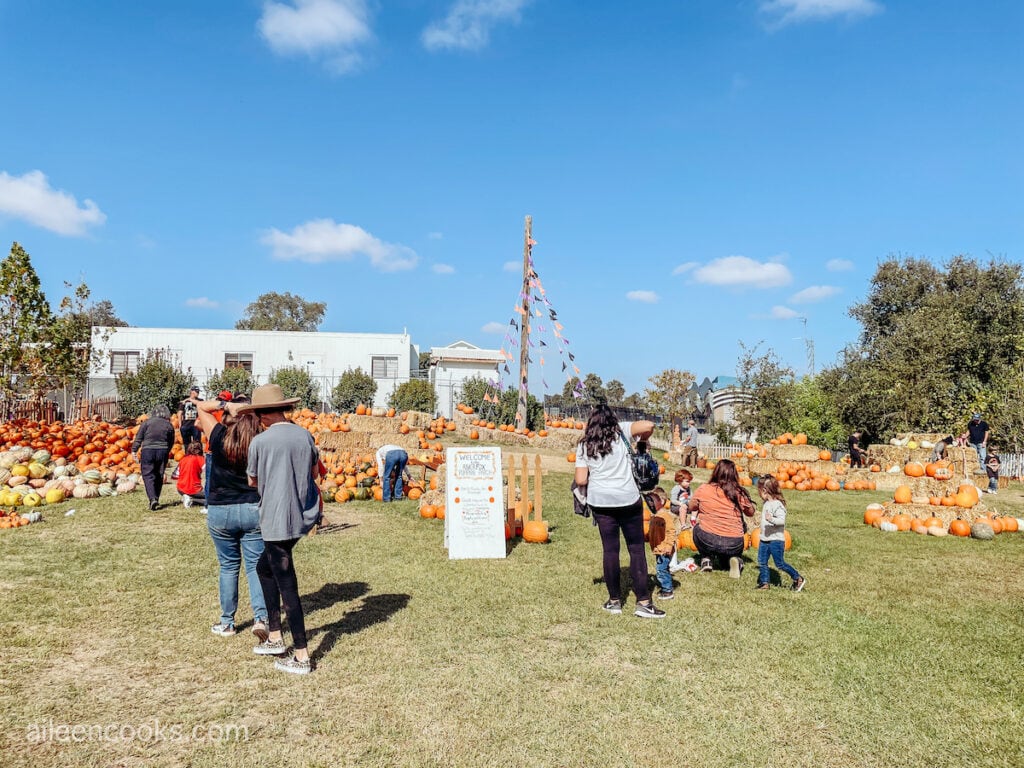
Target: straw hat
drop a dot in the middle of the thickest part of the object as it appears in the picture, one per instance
(268, 397)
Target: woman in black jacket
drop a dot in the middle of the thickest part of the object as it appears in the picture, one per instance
(154, 442)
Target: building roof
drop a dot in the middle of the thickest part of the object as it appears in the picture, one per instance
(464, 352)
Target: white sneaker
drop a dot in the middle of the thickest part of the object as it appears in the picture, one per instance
(186, 500)
(203, 510)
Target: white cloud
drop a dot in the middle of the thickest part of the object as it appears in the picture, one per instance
(494, 327)
(331, 30)
(469, 22)
(323, 240)
(435, 235)
(784, 313)
(202, 303)
(784, 12)
(685, 267)
(814, 293)
(443, 269)
(512, 266)
(743, 271)
(838, 265)
(32, 199)
(647, 297)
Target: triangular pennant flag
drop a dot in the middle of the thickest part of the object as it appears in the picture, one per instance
(531, 241)
(530, 342)
(543, 382)
(514, 324)
(528, 359)
(542, 361)
(506, 368)
(576, 369)
(564, 366)
(537, 312)
(543, 343)
(572, 356)
(559, 326)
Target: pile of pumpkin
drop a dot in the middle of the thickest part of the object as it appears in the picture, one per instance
(87, 444)
(983, 526)
(801, 477)
(34, 478)
(12, 519)
(567, 423)
(353, 477)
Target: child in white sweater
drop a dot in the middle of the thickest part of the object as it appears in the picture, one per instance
(773, 534)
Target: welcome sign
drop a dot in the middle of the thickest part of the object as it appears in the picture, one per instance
(474, 523)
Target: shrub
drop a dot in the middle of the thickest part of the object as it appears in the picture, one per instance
(235, 380)
(414, 395)
(354, 387)
(296, 382)
(156, 381)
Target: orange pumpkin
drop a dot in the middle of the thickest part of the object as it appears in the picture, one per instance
(914, 469)
(903, 495)
(960, 528)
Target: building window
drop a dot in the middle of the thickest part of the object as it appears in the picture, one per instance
(384, 368)
(238, 360)
(124, 361)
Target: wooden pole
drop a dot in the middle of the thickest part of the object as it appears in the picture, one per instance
(524, 331)
(538, 511)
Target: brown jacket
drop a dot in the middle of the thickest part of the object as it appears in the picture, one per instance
(672, 527)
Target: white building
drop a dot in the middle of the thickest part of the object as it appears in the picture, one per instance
(391, 358)
(450, 366)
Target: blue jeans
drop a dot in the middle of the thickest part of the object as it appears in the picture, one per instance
(392, 460)
(662, 573)
(776, 550)
(982, 452)
(235, 530)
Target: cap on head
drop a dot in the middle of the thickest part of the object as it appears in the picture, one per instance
(224, 394)
(193, 389)
(976, 417)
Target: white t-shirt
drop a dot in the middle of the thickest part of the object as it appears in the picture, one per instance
(610, 481)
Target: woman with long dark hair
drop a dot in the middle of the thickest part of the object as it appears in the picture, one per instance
(233, 512)
(603, 468)
(717, 510)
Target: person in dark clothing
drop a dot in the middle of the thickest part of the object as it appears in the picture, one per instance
(188, 412)
(154, 442)
(977, 435)
(856, 452)
(939, 451)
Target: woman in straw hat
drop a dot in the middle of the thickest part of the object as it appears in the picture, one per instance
(283, 462)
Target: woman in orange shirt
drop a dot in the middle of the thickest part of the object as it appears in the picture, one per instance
(717, 510)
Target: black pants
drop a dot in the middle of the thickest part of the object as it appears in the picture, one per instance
(276, 570)
(152, 465)
(711, 545)
(630, 521)
(189, 433)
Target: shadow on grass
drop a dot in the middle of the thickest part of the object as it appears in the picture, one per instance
(327, 528)
(374, 610)
(329, 594)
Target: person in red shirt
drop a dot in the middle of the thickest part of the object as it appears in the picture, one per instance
(190, 473)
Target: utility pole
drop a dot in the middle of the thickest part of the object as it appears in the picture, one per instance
(524, 331)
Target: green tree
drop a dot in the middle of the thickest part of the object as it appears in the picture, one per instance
(156, 381)
(767, 406)
(473, 391)
(67, 352)
(236, 380)
(424, 364)
(615, 392)
(414, 395)
(816, 414)
(282, 312)
(936, 343)
(353, 387)
(668, 395)
(100, 313)
(590, 389)
(296, 382)
(25, 318)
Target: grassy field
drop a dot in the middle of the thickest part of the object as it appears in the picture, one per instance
(903, 650)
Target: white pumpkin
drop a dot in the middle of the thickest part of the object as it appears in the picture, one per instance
(935, 530)
(888, 527)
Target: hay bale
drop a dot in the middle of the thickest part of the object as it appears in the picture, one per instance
(800, 453)
(375, 424)
(762, 466)
(366, 442)
(945, 514)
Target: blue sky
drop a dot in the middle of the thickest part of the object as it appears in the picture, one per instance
(700, 172)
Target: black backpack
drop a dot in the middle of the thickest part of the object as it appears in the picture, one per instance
(646, 472)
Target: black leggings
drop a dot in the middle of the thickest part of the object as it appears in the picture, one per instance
(711, 545)
(629, 520)
(276, 570)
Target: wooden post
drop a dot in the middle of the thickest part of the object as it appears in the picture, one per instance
(524, 330)
(537, 502)
(511, 506)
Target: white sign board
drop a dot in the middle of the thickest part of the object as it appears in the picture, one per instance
(474, 523)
